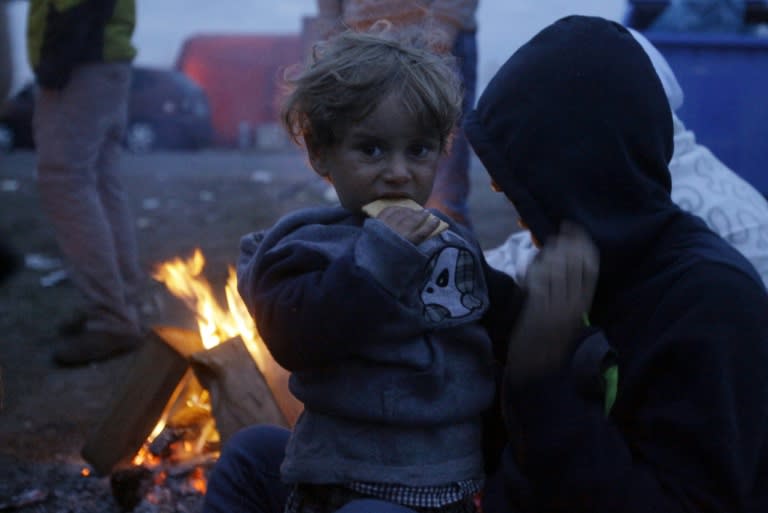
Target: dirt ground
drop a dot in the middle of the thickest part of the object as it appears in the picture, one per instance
(182, 201)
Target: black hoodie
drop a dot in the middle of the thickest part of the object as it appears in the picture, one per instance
(576, 126)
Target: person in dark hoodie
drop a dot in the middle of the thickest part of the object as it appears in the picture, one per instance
(576, 126)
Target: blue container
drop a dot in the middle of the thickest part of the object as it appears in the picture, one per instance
(725, 82)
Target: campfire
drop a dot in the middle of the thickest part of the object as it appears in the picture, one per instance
(188, 392)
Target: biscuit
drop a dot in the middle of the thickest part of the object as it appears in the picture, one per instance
(374, 208)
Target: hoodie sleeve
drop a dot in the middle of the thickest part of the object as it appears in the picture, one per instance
(688, 428)
(318, 291)
(506, 299)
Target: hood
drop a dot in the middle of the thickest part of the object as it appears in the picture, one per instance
(576, 126)
(669, 82)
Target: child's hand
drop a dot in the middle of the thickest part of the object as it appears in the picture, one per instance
(560, 285)
(415, 226)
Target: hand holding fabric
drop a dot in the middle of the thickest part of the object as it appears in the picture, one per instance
(560, 285)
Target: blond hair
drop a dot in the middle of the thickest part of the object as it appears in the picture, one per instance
(349, 75)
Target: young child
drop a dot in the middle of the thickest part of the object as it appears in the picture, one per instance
(386, 322)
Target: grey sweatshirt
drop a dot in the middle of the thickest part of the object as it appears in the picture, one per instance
(386, 341)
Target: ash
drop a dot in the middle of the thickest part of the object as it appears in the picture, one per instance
(61, 488)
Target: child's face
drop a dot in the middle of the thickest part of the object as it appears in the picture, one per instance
(386, 155)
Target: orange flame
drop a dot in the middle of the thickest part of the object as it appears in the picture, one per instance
(185, 280)
(197, 481)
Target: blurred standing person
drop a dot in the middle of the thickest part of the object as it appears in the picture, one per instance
(9, 258)
(6, 59)
(453, 24)
(81, 53)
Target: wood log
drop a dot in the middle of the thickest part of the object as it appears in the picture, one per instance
(277, 379)
(130, 486)
(240, 395)
(156, 373)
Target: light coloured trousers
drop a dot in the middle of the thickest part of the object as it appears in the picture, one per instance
(78, 133)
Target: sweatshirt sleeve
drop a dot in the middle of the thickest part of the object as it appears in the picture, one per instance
(687, 432)
(315, 297)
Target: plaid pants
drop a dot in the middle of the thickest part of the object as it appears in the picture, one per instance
(308, 498)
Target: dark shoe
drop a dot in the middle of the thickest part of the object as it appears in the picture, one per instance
(74, 325)
(10, 261)
(94, 346)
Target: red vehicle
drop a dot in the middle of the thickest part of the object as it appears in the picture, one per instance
(240, 75)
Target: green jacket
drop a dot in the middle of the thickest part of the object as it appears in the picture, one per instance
(62, 34)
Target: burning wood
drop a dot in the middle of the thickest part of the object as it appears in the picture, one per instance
(161, 487)
(240, 395)
(157, 371)
(130, 486)
(188, 393)
(216, 325)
